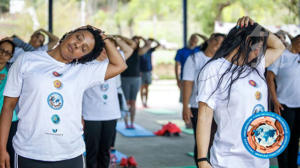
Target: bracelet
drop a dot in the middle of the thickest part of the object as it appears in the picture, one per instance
(203, 159)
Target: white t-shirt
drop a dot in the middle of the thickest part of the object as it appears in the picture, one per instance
(228, 150)
(287, 70)
(191, 70)
(101, 103)
(49, 127)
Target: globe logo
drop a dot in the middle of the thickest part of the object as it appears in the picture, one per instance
(265, 134)
(55, 101)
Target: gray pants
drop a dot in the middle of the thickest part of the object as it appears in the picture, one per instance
(131, 87)
(22, 162)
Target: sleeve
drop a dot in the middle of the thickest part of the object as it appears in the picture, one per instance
(95, 72)
(207, 87)
(19, 43)
(275, 66)
(261, 65)
(14, 81)
(178, 56)
(189, 69)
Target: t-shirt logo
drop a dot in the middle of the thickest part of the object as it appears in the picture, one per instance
(55, 119)
(55, 101)
(104, 87)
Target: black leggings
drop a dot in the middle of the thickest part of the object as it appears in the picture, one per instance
(288, 158)
(10, 149)
(99, 137)
(22, 162)
(212, 133)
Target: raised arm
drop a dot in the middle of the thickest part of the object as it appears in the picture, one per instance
(21, 44)
(130, 42)
(9, 105)
(52, 38)
(145, 48)
(205, 117)
(124, 47)
(274, 45)
(157, 43)
(201, 36)
(116, 63)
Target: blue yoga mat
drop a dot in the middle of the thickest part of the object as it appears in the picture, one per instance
(299, 158)
(137, 132)
(118, 155)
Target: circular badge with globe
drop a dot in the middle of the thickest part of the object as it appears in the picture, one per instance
(265, 134)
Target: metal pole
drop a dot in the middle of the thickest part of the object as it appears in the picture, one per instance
(50, 16)
(184, 2)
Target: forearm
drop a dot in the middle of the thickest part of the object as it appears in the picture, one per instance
(125, 48)
(144, 50)
(187, 92)
(177, 67)
(274, 49)
(51, 36)
(21, 44)
(130, 42)
(205, 115)
(271, 85)
(202, 36)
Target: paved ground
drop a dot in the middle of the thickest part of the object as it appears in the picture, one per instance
(159, 152)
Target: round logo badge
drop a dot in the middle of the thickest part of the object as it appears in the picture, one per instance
(104, 87)
(252, 83)
(55, 101)
(257, 95)
(265, 134)
(57, 84)
(56, 74)
(105, 97)
(55, 119)
(54, 130)
(258, 108)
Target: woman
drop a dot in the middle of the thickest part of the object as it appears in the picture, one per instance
(191, 70)
(49, 87)
(7, 49)
(230, 85)
(131, 79)
(286, 98)
(100, 113)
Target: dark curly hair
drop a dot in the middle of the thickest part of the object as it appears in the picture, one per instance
(99, 45)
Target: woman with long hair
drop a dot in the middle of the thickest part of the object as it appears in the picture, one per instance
(230, 85)
(191, 70)
(49, 87)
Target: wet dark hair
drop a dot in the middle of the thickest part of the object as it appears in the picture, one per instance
(214, 35)
(98, 47)
(295, 38)
(244, 40)
(11, 43)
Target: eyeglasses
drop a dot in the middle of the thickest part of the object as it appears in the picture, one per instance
(5, 53)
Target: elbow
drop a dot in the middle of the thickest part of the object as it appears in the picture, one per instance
(123, 67)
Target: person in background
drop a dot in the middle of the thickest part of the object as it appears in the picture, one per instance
(100, 113)
(191, 71)
(146, 69)
(181, 56)
(131, 79)
(7, 49)
(286, 98)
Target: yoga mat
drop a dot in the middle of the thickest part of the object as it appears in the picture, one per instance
(118, 155)
(137, 132)
(190, 154)
(159, 111)
(189, 131)
(183, 167)
(298, 158)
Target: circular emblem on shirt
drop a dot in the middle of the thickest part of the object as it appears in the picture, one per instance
(56, 74)
(258, 108)
(104, 87)
(54, 130)
(57, 84)
(265, 134)
(252, 83)
(105, 97)
(55, 101)
(257, 95)
(55, 119)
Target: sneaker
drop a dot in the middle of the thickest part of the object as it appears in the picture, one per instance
(124, 162)
(132, 161)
